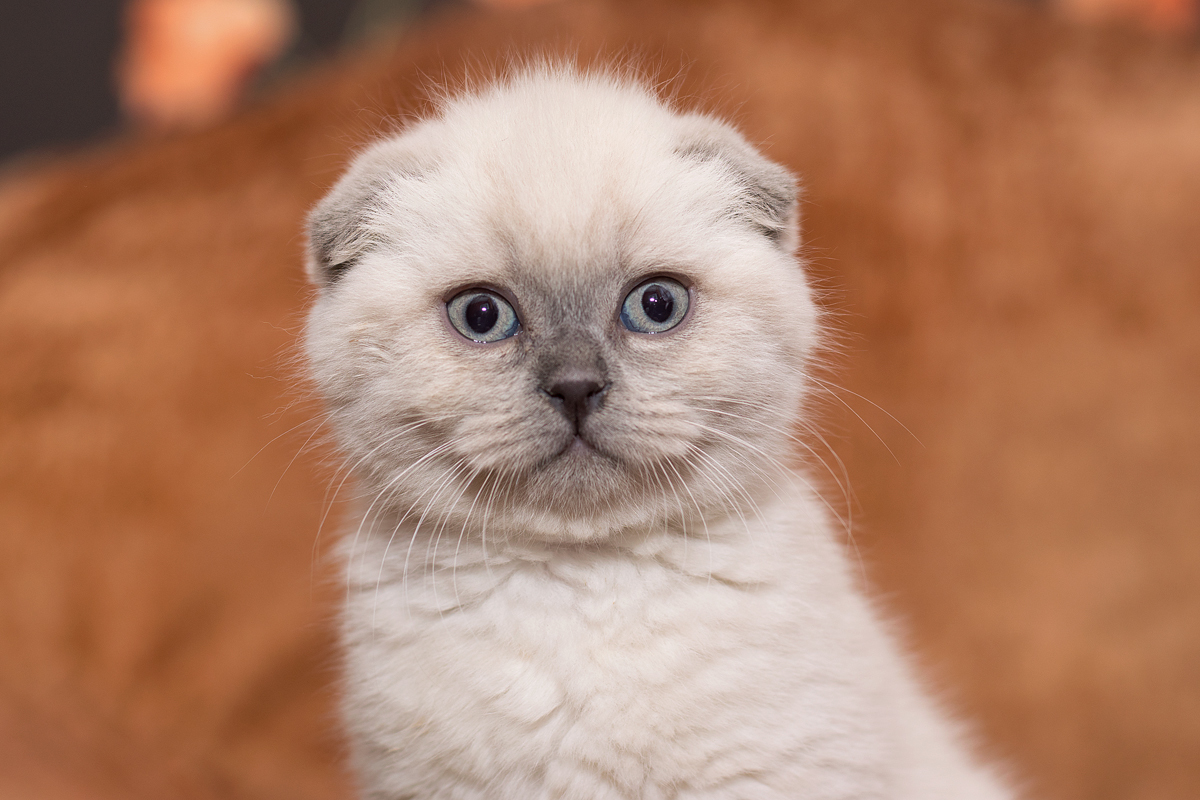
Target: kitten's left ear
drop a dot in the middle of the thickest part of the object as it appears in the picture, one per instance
(770, 190)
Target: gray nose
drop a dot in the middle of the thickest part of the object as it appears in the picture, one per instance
(576, 393)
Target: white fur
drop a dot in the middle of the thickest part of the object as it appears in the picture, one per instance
(669, 615)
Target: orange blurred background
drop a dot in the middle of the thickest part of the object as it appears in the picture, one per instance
(187, 62)
(1000, 203)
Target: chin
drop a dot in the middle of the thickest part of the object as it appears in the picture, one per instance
(582, 494)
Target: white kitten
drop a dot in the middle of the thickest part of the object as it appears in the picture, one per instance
(563, 335)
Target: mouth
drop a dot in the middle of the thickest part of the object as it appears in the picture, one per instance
(577, 449)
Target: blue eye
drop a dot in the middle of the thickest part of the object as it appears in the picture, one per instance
(482, 316)
(655, 306)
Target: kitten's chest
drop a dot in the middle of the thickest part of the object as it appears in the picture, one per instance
(605, 643)
(578, 617)
(579, 664)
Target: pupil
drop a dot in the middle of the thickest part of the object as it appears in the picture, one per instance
(657, 303)
(482, 314)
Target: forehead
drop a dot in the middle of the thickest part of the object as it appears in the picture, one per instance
(586, 212)
(553, 188)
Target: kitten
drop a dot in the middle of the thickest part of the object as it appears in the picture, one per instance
(563, 334)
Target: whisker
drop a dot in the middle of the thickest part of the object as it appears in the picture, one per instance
(347, 472)
(463, 531)
(783, 468)
(436, 540)
(393, 482)
(404, 572)
(793, 438)
(732, 483)
(700, 511)
(318, 422)
(830, 386)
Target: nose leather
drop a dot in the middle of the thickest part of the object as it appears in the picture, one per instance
(576, 393)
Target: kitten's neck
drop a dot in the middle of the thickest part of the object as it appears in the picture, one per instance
(732, 547)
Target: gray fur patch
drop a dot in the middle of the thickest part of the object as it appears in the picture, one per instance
(338, 227)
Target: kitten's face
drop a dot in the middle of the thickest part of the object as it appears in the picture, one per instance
(561, 311)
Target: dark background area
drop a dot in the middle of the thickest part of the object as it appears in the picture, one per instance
(57, 57)
(56, 83)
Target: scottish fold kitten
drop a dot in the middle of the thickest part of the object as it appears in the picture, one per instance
(563, 336)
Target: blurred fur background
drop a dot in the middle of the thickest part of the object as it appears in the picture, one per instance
(1001, 210)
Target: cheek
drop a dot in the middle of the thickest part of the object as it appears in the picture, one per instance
(730, 371)
(765, 327)
(503, 422)
(364, 346)
(441, 374)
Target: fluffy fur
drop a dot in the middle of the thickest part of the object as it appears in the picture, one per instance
(643, 602)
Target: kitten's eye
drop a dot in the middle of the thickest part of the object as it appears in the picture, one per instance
(655, 306)
(482, 316)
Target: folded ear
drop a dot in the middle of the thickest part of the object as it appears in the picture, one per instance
(339, 227)
(769, 191)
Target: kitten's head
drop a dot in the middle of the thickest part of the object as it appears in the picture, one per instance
(561, 310)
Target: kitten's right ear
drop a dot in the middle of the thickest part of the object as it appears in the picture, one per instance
(339, 227)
